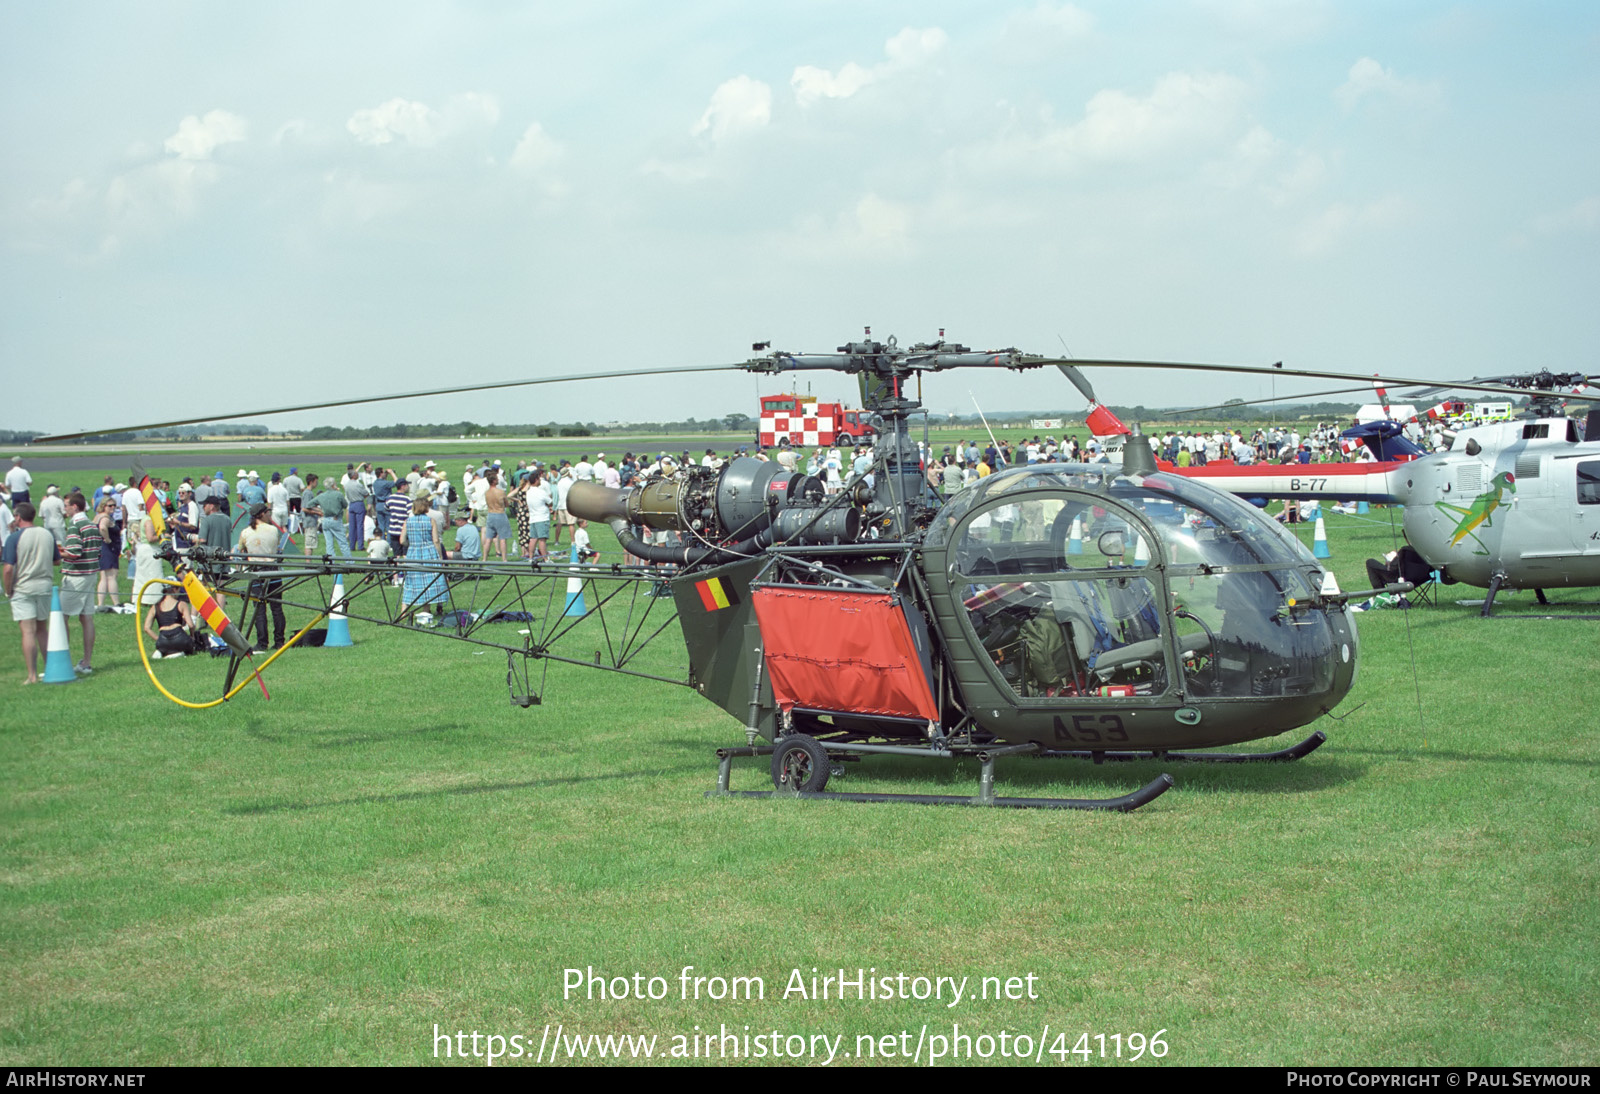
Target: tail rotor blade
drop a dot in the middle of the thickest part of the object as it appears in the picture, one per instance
(1079, 381)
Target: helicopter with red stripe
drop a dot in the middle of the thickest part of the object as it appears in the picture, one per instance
(1510, 504)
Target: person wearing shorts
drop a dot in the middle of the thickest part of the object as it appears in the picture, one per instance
(29, 556)
(541, 500)
(497, 524)
(80, 574)
(563, 519)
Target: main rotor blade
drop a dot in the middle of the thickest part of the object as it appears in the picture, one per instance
(1268, 399)
(384, 399)
(1026, 361)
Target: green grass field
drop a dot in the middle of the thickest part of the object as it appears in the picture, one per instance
(388, 846)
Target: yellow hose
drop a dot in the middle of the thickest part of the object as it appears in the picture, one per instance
(255, 670)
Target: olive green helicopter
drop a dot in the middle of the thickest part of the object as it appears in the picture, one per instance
(1067, 611)
(1088, 611)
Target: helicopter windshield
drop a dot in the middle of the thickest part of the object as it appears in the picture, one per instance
(1077, 584)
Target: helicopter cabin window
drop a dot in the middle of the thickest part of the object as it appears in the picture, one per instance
(1055, 590)
(1589, 482)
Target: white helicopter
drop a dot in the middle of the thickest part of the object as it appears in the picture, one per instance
(1510, 504)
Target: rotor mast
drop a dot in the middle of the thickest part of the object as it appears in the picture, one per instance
(881, 369)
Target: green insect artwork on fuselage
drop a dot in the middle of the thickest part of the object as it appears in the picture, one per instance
(1480, 512)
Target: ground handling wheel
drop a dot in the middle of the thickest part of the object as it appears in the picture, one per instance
(799, 762)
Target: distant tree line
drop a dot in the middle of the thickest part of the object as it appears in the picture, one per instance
(1235, 411)
(731, 423)
(403, 430)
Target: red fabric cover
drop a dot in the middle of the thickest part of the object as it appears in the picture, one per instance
(838, 649)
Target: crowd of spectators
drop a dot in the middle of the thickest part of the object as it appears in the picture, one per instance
(489, 510)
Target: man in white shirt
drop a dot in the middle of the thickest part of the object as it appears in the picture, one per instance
(18, 481)
(278, 497)
(53, 514)
(478, 497)
(562, 519)
(540, 502)
(133, 517)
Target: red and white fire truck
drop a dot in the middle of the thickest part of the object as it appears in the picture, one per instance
(803, 422)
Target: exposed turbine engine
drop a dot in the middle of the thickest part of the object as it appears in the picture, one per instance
(747, 505)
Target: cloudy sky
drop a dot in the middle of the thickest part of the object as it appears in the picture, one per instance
(227, 205)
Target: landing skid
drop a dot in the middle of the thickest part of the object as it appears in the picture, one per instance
(985, 796)
(1283, 755)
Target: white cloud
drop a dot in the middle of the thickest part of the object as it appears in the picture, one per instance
(1368, 79)
(472, 108)
(739, 105)
(874, 228)
(908, 49)
(172, 185)
(811, 83)
(419, 124)
(912, 46)
(1183, 111)
(95, 219)
(397, 119)
(537, 156)
(1267, 165)
(197, 137)
(1182, 108)
(1305, 175)
(1579, 218)
(1248, 158)
(535, 152)
(293, 130)
(1331, 227)
(1189, 128)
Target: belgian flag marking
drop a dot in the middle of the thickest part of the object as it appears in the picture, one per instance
(715, 595)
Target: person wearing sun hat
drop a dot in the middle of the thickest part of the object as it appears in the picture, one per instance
(18, 481)
(53, 514)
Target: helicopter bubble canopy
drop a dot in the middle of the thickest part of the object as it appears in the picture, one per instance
(1079, 582)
